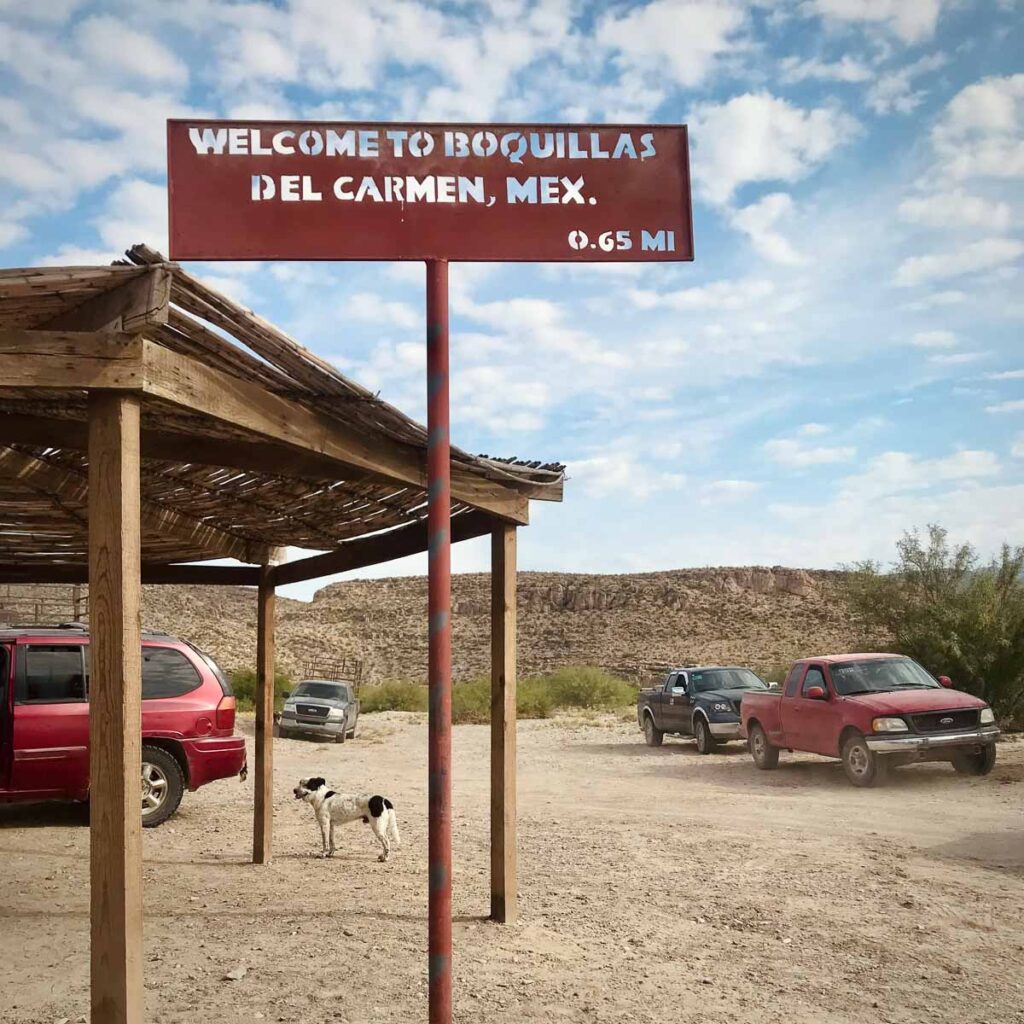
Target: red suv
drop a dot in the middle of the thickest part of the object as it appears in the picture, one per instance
(188, 719)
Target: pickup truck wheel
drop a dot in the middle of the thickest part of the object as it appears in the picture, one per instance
(705, 741)
(979, 762)
(766, 757)
(652, 733)
(162, 786)
(340, 737)
(863, 767)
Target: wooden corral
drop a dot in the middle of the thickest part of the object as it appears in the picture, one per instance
(147, 424)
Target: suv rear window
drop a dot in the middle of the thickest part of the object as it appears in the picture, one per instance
(166, 672)
(225, 684)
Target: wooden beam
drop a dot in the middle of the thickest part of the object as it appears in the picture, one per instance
(115, 710)
(504, 891)
(256, 456)
(192, 385)
(198, 575)
(67, 361)
(69, 486)
(137, 304)
(381, 547)
(263, 807)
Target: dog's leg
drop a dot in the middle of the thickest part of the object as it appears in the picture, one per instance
(380, 830)
(330, 852)
(321, 820)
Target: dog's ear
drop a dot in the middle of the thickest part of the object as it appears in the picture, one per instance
(316, 783)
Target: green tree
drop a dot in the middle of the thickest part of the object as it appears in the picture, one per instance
(955, 615)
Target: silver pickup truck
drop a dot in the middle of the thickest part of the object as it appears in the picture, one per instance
(321, 708)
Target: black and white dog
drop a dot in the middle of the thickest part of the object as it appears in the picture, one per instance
(333, 809)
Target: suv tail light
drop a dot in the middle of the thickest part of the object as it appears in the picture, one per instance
(226, 714)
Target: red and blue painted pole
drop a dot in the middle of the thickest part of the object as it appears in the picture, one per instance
(439, 588)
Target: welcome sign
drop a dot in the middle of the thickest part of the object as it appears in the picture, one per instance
(259, 190)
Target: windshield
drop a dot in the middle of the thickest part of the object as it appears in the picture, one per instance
(323, 691)
(852, 677)
(726, 679)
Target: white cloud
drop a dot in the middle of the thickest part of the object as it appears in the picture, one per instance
(912, 21)
(956, 358)
(1017, 448)
(893, 91)
(999, 408)
(683, 38)
(980, 132)
(946, 298)
(933, 339)
(956, 209)
(621, 473)
(788, 452)
(758, 221)
(136, 211)
(719, 295)
(720, 492)
(894, 472)
(847, 69)
(108, 41)
(758, 137)
(813, 430)
(371, 308)
(11, 233)
(1006, 375)
(987, 254)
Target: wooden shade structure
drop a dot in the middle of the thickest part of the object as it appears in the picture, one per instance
(148, 423)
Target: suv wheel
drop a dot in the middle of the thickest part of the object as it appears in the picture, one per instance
(863, 767)
(766, 757)
(162, 786)
(975, 762)
(652, 733)
(705, 741)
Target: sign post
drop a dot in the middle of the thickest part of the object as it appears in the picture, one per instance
(263, 190)
(439, 657)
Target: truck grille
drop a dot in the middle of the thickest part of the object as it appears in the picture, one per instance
(945, 721)
(312, 710)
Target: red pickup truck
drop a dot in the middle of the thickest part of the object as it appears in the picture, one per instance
(874, 711)
(188, 719)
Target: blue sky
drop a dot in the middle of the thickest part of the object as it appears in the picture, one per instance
(842, 361)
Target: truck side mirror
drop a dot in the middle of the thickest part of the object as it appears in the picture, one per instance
(815, 693)
(946, 682)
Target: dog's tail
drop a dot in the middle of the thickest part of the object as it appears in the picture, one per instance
(392, 825)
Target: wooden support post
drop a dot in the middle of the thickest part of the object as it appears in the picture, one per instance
(504, 906)
(263, 807)
(115, 709)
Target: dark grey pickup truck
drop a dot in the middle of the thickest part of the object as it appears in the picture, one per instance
(321, 708)
(699, 702)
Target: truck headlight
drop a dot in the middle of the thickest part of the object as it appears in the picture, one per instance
(336, 714)
(988, 716)
(721, 707)
(889, 725)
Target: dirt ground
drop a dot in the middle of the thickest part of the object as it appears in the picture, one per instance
(656, 885)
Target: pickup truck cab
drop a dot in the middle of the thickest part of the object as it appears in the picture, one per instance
(699, 702)
(874, 711)
(188, 719)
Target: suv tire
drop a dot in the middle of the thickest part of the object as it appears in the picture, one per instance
(863, 767)
(163, 785)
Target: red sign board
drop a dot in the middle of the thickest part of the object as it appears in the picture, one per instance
(268, 190)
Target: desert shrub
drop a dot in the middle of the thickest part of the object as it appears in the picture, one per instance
(582, 686)
(954, 614)
(243, 682)
(393, 696)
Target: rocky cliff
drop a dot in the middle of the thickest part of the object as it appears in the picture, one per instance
(630, 624)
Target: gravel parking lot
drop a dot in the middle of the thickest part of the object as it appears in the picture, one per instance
(655, 885)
